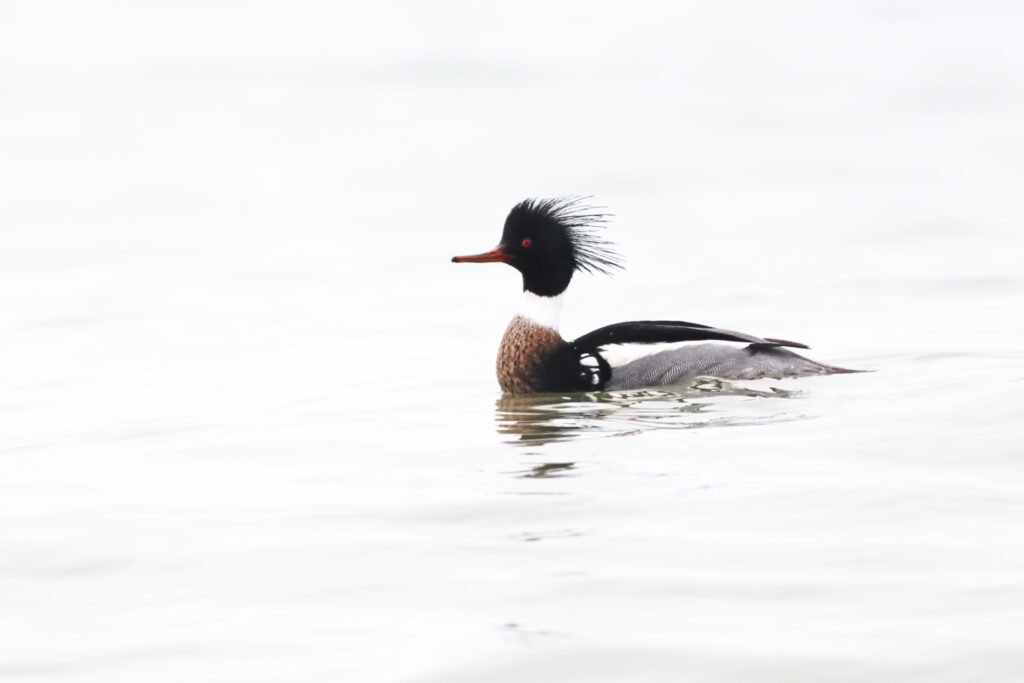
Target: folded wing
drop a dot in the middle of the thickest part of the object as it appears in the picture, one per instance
(661, 352)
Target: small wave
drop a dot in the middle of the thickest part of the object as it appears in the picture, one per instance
(547, 418)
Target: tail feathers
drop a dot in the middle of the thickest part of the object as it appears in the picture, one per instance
(825, 368)
(793, 364)
(836, 370)
(784, 342)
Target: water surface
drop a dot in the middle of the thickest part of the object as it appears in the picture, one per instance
(250, 428)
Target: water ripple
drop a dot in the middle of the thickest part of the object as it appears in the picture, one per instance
(546, 418)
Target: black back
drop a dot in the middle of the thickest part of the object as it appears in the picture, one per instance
(578, 366)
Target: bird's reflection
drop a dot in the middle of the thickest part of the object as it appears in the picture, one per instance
(539, 419)
(549, 470)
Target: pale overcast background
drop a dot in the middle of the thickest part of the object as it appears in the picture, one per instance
(249, 426)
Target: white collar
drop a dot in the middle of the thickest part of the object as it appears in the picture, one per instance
(542, 310)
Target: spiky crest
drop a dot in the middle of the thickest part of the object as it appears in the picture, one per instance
(582, 223)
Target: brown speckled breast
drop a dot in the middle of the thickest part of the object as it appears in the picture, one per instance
(523, 350)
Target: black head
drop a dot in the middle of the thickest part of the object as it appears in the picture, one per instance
(547, 240)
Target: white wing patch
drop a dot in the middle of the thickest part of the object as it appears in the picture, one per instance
(618, 355)
(590, 365)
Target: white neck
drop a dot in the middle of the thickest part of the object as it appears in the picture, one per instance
(542, 310)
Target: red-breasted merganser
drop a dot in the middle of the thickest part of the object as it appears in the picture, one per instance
(547, 240)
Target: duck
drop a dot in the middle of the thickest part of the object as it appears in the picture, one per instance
(548, 241)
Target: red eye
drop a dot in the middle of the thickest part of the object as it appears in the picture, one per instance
(527, 242)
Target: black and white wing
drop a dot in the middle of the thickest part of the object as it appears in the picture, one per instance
(660, 352)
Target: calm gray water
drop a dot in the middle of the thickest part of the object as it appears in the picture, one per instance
(250, 426)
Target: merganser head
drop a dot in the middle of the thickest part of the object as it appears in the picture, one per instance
(547, 240)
